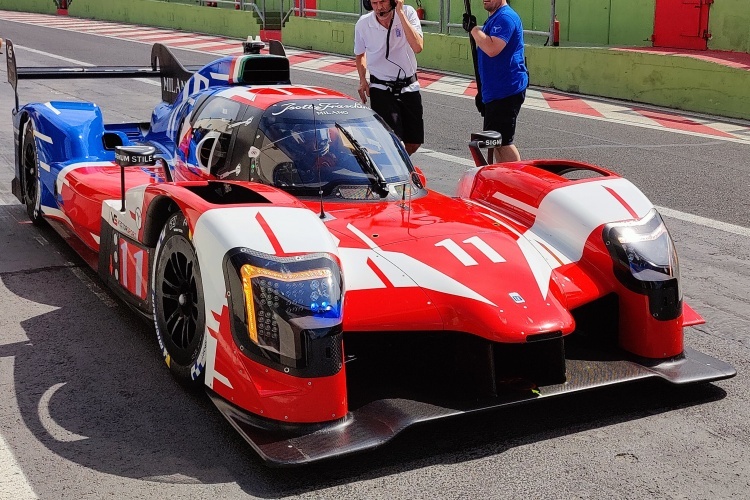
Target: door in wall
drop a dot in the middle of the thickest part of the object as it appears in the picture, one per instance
(681, 24)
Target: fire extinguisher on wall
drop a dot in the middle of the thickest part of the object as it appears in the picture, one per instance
(420, 10)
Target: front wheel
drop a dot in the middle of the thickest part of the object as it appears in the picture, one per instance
(32, 187)
(178, 305)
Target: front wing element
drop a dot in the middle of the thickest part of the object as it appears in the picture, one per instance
(377, 422)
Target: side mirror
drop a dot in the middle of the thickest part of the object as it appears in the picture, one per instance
(418, 177)
(484, 139)
(131, 156)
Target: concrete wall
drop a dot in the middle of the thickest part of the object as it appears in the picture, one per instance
(675, 82)
(239, 24)
(729, 24)
(38, 6)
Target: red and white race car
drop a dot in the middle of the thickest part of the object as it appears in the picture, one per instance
(295, 263)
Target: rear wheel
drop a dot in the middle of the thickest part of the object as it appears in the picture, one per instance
(178, 305)
(30, 175)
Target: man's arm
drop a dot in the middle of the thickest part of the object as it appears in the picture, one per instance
(490, 45)
(364, 86)
(413, 37)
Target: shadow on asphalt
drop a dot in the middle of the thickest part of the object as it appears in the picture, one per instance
(139, 423)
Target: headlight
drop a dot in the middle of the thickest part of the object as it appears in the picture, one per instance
(287, 310)
(645, 261)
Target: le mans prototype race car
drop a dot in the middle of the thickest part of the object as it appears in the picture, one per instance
(294, 262)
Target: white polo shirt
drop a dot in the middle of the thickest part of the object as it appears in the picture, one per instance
(370, 38)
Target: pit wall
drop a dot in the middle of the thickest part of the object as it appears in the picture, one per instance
(37, 6)
(631, 22)
(195, 18)
(674, 82)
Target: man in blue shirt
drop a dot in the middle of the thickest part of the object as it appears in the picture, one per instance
(502, 70)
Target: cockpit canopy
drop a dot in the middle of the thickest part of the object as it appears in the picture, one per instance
(334, 147)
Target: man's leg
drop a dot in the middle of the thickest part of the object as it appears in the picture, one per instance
(412, 122)
(411, 148)
(500, 115)
(507, 153)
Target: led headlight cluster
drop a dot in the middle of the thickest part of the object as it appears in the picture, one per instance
(646, 262)
(287, 310)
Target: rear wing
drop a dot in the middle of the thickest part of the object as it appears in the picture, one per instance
(164, 65)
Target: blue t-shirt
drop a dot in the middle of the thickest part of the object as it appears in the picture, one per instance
(505, 74)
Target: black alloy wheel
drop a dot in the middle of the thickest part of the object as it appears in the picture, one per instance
(30, 175)
(179, 309)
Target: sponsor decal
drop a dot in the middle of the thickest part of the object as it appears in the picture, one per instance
(246, 122)
(133, 159)
(516, 298)
(236, 171)
(174, 85)
(253, 152)
(322, 108)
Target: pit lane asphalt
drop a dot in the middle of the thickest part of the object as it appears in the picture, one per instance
(88, 409)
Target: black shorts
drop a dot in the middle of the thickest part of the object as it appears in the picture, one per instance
(500, 115)
(402, 112)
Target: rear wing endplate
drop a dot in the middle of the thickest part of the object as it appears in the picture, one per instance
(163, 65)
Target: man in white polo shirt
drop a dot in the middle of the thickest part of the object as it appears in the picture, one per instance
(385, 42)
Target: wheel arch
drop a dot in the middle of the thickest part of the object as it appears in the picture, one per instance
(17, 184)
(159, 211)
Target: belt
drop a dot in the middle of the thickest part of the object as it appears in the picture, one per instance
(395, 85)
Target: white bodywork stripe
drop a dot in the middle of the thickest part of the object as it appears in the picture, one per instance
(298, 230)
(69, 168)
(359, 275)
(54, 109)
(567, 216)
(43, 137)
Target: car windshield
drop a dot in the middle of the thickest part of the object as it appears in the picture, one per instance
(334, 148)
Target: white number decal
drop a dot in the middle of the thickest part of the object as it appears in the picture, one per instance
(137, 269)
(138, 256)
(464, 257)
(124, 263)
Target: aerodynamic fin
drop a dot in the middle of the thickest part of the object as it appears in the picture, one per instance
(173, 74)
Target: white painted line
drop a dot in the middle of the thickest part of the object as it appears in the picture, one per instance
(314, 64)
(195, 46)
(445, 157)
(53, 56)
(667, 212)
(705, 222)
(54, 429)
(13, 482)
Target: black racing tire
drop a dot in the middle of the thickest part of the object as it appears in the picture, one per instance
(178, 304)
(30, 183)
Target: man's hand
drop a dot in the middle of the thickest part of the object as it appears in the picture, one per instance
(364, 91)
(469, 22)
(399, 7)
